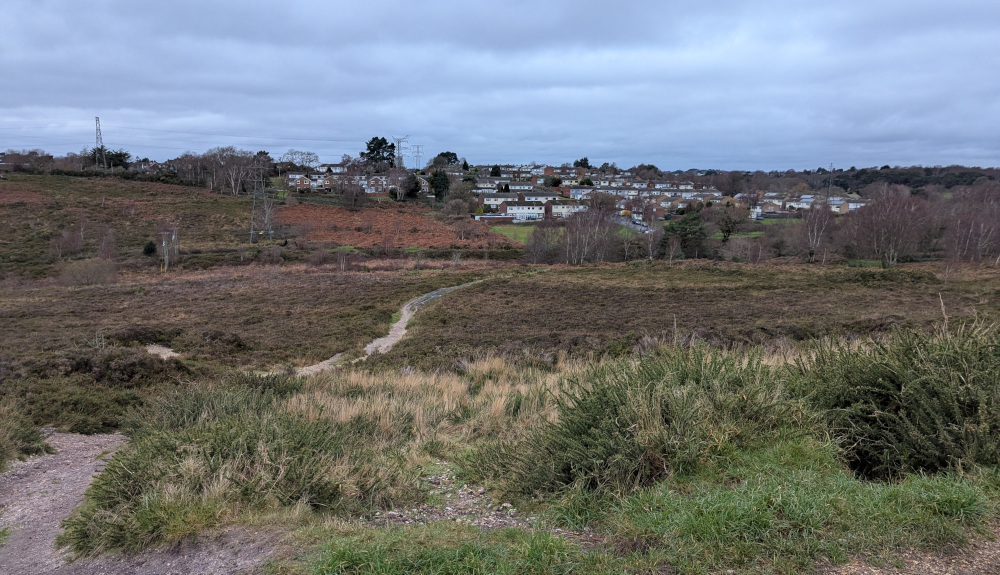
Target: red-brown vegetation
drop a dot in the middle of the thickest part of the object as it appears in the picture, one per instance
(409, 226)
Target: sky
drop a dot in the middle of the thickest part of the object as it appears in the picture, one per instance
(781, 84)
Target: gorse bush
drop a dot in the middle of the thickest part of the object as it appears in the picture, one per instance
(200, 457)
(916, 402)
(624, 425)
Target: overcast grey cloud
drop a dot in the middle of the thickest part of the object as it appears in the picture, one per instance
(725, 84)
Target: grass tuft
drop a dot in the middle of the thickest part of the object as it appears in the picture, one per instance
(18, 435)
(624, 424)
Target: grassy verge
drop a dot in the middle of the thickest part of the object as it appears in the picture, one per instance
(785, 508)
(450, 548)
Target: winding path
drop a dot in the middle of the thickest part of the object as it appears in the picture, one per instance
(396, 332)
(380, 345)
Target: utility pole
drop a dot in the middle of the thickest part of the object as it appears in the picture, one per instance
(829, 187)
(399, 150)
(99, 157)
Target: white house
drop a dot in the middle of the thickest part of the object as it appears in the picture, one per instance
(523, 211)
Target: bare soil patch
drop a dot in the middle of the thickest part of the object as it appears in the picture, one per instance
(37, 494)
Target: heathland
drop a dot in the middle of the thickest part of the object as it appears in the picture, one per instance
(650, 416)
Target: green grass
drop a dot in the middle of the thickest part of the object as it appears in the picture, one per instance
(446, 548)
(520, 233)
(789, 506)
(689, 460)
(4, 534)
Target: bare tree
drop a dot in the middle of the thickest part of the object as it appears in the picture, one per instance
(651, 242)
(890, 226)
(544, 243)
(973, 230)
(352, 195)
(588, 237)
(230, 167)
(673, 248)
(815, 222)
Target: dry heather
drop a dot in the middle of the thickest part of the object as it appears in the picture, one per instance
(395, 227)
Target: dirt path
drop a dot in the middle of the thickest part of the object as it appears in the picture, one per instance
(396, 332)
(37, 494)
(380, 345)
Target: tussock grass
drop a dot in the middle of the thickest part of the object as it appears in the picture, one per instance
(207, 455)
(342, 443)
(442, 412)
(626, 424)
(18, 436)
(691, 459)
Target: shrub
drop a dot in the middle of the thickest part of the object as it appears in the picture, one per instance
(917, 402)
(149, 249)
(88, 272)
(624, 425)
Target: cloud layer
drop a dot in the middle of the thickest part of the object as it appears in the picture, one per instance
(768, 85)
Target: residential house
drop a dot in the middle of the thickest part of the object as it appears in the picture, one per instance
(492, 200)
(563, 208)
(523, 211)
(539, 196)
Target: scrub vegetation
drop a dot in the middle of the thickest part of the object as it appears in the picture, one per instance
(652, 416)
(686, 457)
